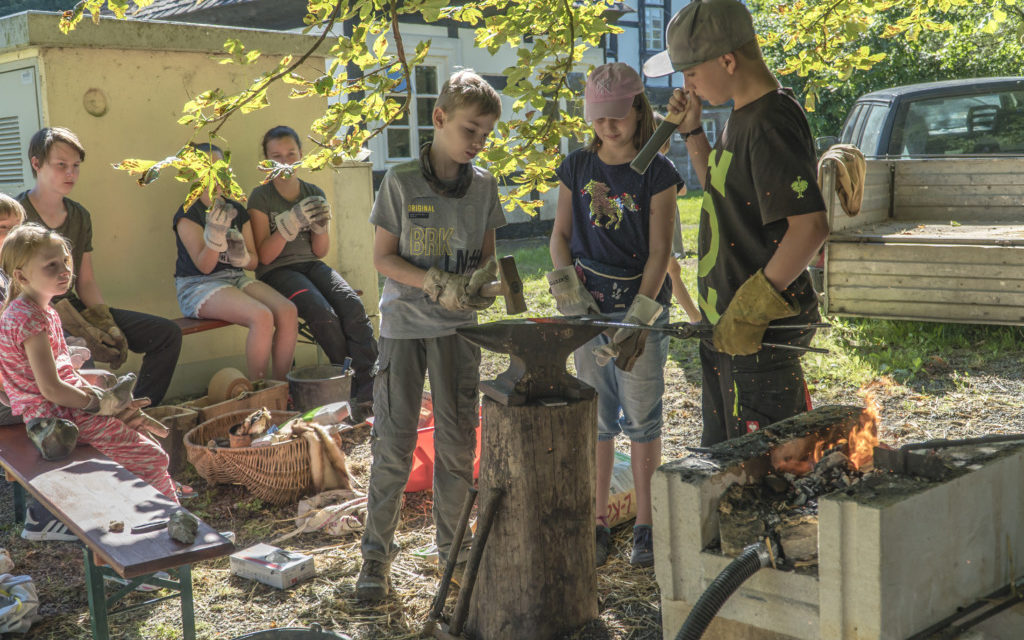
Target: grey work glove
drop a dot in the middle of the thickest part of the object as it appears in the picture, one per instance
(101, 344)
(236, 255)
(320, 218)
(291, 222)
(446, 289)
(571, 297)
(484, 274)
(628, 344)
(112, 401)
(755, 304)
(218, 221)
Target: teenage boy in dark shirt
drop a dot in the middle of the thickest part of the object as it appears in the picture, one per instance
(762, 222)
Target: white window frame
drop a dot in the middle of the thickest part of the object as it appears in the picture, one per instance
(654, 26)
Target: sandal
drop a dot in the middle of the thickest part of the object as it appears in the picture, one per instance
(184, 491)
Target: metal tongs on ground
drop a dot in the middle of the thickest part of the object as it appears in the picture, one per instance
(703, 330)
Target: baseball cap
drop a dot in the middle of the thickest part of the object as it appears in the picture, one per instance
(702, 31)
(610, 90)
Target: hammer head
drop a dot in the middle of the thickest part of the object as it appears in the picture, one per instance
(510, 286)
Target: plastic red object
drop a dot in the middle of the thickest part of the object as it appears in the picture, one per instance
(422, 475)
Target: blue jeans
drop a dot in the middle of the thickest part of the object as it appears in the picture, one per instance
(628, 402)
(335, 316)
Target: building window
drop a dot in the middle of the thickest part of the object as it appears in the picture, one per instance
(416, 126)
(654, 26)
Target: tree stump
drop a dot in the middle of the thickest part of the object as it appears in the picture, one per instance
(537, 577)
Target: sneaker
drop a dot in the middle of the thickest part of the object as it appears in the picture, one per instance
(643, 546)
(40, 525)
(145, 588)
(374, 581)
(604, 544)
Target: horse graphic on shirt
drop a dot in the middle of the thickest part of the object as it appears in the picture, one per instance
(605, 211)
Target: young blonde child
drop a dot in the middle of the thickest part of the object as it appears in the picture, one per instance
(610, 250)
(215, 244)
(679, 291)
(38, 375)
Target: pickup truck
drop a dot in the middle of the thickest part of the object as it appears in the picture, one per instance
(940, 234)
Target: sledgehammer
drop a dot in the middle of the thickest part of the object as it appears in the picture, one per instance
(510, 286)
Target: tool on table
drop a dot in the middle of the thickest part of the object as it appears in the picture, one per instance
(453, 559)
(664, 131)
(488, 510)
(920, 458)
(156, 525)
(537, 353)
(510, 286)
(686, 330)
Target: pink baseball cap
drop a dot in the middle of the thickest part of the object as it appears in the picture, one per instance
(610, 91)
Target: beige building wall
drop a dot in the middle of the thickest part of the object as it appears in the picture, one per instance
(143, 73)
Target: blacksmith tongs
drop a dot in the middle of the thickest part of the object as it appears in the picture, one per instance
(703, 330)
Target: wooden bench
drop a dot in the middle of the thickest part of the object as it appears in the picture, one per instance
(189, 326)
(87, 491)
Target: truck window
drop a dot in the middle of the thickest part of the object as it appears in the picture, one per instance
(874, 121)
(846, 137)
(987, 123)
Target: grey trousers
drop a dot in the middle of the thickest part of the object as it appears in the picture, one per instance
(453, 364)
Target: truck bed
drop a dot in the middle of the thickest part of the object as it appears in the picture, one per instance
(935, 232)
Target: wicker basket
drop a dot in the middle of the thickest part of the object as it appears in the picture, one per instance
(272, 394)
(277, 474)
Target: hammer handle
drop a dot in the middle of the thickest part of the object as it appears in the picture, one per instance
(664, 131)
(492, 289)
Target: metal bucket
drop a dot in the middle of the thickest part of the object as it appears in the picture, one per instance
(315, 632)
(312, 387)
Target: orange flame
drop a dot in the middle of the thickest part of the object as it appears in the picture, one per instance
(864, 437)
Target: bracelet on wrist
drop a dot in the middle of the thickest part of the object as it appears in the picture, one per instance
(699, 130)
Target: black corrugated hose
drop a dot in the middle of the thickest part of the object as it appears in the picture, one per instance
(754, 558)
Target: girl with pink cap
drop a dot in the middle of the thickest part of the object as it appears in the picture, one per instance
(610, 247)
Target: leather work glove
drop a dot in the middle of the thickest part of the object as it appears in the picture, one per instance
(446, 289)
(484, 274)
(320, 218)
(100, 344)
(628, 344)
(571, 297)
(98, 315)
(112, 401)
(218, 221)
(741, 328)
(236, 255)
(296, 219)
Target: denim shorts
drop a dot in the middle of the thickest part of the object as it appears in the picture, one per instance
(193, 291)
(628, 402)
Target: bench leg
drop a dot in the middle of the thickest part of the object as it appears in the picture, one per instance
(188, 614)
(19, 502)
(97, 598)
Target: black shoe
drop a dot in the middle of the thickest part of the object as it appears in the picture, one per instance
(41, 525)
(604, 544)
(643, 546)
(374, 581)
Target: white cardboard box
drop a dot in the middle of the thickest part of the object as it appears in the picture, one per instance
(272, 566)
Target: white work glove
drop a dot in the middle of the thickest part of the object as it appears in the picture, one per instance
(446, 289)
(79, 355)
(320, 218)
(109, 402)
(628, 344)
(291, 222)
(236, 255)
(484, 274)
(571, 297)
(218, 221)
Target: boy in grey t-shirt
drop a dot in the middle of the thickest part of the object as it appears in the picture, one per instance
(434, 241)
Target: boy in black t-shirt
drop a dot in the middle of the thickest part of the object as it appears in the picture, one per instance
(762, 221)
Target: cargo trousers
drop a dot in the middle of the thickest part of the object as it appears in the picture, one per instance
(453, 364)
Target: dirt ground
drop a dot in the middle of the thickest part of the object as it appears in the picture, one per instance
(966, 396)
